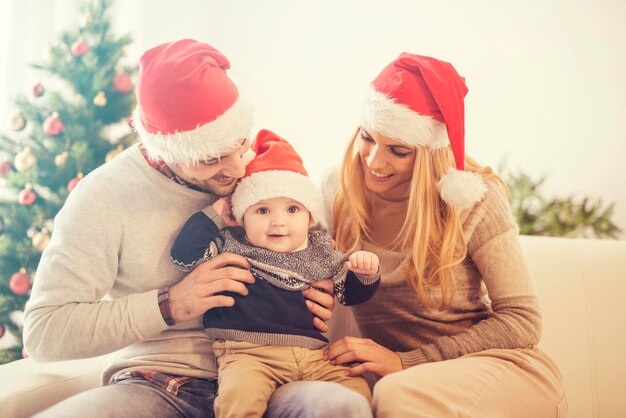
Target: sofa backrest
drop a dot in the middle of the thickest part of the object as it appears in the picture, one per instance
(582, 286)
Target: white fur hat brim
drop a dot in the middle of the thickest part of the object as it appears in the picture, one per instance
(208, 141)
(382, 114)
(270, 184)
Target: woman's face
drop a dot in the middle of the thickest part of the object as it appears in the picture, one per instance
(387, 163)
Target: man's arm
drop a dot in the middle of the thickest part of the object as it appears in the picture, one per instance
(66, 317)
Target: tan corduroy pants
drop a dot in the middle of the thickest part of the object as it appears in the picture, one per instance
(249, 373)
(493, 383)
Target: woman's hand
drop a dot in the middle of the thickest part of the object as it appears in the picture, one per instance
(321, 302)
(373, 357)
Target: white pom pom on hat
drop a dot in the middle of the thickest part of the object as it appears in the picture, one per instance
(419, 100)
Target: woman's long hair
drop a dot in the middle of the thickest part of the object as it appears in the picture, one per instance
(432, 232)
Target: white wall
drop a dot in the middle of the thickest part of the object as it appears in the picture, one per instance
(546, 78)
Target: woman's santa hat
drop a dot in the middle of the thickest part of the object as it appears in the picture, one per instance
(419, 100)
(188, 110)
(276, 171)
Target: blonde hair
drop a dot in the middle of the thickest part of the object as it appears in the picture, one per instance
(432, 232)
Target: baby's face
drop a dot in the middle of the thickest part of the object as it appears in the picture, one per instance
(279, 224)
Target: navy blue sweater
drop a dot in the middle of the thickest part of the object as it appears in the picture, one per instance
(274, 312)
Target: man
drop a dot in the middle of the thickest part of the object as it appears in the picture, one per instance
(106, 283)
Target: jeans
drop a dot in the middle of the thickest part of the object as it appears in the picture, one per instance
(314, 399)
(139, 398)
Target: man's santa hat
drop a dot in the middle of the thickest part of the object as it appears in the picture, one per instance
(276, 171)
(419, 100)
(188, 110)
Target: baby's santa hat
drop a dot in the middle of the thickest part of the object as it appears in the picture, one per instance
(188, 109)
(276, 171)
(419, 100)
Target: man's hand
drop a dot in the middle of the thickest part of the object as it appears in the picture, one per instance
(196, 293)
(363, 262)
(321, 302)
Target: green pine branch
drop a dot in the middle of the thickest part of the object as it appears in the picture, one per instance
(537, 214)
(80, 148)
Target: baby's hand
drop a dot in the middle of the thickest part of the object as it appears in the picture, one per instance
(363, 262)
(222, 207)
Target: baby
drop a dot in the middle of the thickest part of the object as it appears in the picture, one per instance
(268, 338)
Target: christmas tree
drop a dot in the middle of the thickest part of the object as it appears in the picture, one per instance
(69, 124)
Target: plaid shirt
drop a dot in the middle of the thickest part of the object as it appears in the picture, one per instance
(169, 383)
(162, 168)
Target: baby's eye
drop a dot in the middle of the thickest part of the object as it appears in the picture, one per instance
(293, 209)
(262, 211)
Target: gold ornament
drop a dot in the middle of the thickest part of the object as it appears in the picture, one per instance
(41, 240)
(86, 20)
(113, 153)
(24, 160)
(100, 100)
(17, 122)
(61, 159)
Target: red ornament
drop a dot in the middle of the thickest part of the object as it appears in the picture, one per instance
(27, 196)
(73, 182)
(79, 48)
(122, 83)
(20, 282)
(38, 90)
(53, 125)
(2, 330)
(5, 168)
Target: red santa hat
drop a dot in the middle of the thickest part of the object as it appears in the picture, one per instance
(276, 171)
(419, 100)
(188, 110)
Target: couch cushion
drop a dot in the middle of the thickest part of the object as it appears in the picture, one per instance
(27, 387)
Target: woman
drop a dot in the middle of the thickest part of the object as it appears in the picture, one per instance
(454, 325)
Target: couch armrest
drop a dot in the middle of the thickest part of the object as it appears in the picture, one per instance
(27, 387)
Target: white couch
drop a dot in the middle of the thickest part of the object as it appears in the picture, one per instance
(582, 284)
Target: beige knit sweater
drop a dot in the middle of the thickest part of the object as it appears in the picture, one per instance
(96, 287)
(495, 305)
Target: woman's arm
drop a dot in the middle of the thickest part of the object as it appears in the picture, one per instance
(494, 248)
(515, 321)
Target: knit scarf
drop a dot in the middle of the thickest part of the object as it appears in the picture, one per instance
(290, 271)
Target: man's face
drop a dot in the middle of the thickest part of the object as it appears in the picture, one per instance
(217, 176)
(278, 224)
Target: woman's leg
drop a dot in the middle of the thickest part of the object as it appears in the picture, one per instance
(492, 383)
